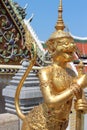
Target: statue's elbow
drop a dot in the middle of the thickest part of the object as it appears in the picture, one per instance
(50, 100)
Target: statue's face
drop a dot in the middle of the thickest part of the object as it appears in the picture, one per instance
(65, 49)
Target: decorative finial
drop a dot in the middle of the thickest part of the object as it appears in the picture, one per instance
(60, 24)
(25, 7)
(31, 18)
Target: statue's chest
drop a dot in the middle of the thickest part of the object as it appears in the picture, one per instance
(61, 79)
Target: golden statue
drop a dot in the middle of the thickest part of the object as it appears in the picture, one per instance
(59, 85)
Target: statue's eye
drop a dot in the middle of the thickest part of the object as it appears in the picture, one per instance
(72, 43)
(66, 43)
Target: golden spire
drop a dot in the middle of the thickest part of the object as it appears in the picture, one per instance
(59, 33)
(60, 24)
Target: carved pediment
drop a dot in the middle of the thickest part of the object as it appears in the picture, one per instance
(12, 33)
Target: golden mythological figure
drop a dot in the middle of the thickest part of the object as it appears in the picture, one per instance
(59, 85)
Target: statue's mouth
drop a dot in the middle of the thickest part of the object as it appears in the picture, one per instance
(68, 56)
(70, 53)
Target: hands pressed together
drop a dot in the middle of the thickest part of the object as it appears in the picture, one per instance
(81, 105)
(80, 101)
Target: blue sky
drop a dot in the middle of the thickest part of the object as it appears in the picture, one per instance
(46, 14)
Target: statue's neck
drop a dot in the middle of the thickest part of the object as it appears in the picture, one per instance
(61, 64)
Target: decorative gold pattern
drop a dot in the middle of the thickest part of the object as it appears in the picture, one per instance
(28, 38)
(46, 120)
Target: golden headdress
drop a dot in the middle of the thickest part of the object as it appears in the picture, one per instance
(59, 34)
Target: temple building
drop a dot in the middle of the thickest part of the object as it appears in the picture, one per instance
(81, 43)
(16, 38)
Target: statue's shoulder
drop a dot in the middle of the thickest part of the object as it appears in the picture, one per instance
(45, 72)
(46, 69)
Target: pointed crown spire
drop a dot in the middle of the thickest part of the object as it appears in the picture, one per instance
(60, 24)
(59, 34)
